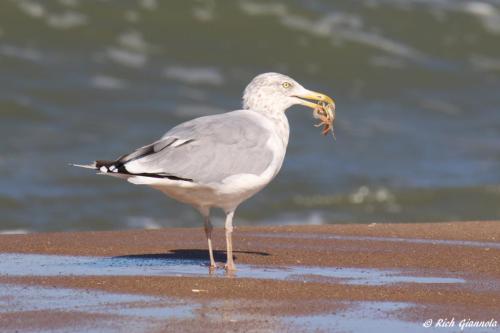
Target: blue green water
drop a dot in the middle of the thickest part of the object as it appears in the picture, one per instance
(416, 82)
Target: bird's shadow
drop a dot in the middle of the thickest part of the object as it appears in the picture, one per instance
(187, 254)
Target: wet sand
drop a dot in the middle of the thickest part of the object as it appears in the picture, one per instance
(293, 278)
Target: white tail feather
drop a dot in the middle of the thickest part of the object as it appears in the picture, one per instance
(86, 166)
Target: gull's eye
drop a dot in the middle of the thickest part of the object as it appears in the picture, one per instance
(286, 85)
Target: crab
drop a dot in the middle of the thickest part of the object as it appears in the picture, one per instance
(325, 112)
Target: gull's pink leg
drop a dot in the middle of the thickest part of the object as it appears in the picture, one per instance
(205, 211)
(208, 232)
(229, 243)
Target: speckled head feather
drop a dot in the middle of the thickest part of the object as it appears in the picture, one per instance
(271, 92)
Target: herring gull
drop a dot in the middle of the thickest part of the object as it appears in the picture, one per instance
(221, 160)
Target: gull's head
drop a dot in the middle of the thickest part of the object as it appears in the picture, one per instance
(274, 92)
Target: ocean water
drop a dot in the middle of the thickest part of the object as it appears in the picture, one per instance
(417, 85)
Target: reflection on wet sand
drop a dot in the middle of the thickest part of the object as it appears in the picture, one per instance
(113, 312)
(13, 264)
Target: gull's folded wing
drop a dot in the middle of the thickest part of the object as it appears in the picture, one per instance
(204, 150)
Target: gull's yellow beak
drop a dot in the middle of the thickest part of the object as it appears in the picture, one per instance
(308, 95)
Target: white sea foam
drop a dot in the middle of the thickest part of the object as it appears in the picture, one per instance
(149, 4)
(31, 8)
(143, 222)
(363, 195)
(485, 63)
(337, 26)
(486, 13)
(382, 195)
(254, 8)
(383, 43)
(314, 218)
(133, 40)
(14, 232)
(479, 8)
(204, 13)
(107, 82)
(126, 57)
(23, 53)
(195, 75)
(66, 20)
(132, 51)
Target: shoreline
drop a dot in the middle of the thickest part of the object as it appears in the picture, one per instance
(411, 272)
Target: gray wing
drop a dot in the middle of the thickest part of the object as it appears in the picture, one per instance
(206, 149)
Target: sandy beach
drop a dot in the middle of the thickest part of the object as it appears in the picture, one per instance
(325, 278)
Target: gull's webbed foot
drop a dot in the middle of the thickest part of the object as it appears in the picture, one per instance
(230, 266)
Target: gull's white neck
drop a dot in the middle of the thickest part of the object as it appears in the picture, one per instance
(272, 107)
(280, 123)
